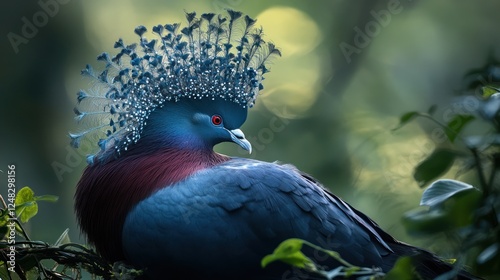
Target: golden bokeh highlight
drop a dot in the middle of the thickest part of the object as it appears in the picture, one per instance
(292, 85)
(293, 31)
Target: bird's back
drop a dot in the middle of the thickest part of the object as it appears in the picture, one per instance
(223, 220)
(157, 196)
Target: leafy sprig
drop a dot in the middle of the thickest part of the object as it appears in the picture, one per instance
(68, 260)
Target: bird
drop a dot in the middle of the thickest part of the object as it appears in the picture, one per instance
(157, 196)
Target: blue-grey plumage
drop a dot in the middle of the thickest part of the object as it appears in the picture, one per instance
(157, 196)
(223, 220)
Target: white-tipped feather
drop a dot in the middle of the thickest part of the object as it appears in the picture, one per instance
(213, 56)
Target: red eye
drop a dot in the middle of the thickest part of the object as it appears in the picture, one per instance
(216, 120)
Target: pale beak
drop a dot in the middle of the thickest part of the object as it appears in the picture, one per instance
(239, 138)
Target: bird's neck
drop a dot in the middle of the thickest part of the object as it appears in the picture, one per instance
(107, 192)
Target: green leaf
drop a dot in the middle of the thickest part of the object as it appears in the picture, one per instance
(456, 125)
(289, 251)
(24, 195)
(488, 91)
(490, 108)
(405, 118)
(488, 260)
(49, 198)
(441, 190)
(487, 254)
(433, 166)
(424, 222)
(4, 273)
(403, 269)
(26, 206)
(462, 207)
(449, 210)
(349, 271)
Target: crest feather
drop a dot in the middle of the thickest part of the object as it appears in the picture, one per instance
(214, 56)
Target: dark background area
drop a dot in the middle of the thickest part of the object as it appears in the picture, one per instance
(349, 70)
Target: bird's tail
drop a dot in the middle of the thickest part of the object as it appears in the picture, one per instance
(428, 265)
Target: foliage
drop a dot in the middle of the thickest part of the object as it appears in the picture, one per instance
(290, 252)
(459, 210)
(463, 212)
(22, 258)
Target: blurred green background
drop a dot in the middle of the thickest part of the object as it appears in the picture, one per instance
(349, 69)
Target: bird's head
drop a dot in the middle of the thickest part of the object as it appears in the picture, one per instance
(196, 124)
(189, 88)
